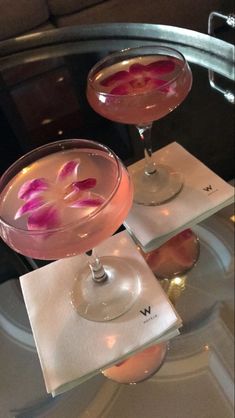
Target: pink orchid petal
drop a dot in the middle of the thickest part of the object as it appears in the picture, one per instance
(161, 67)
(121, 90)
(31, 187)
(44, 219)
(29, 206)
(114, 78)
(87, 203)
(137, 69)
(186, 234)
(67, 169)
(86, 184)
(159, 84)
(140, 83)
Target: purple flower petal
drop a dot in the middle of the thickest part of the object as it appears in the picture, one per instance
(31, 187)
(67, 169)
(46, 218)
(137, 69)
(140, 83)
(86, 184)
(160, 85)
(30, 206)
(114, 78)
(161, 67)
(87, 203)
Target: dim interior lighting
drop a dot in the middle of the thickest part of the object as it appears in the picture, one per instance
(25, 170)
(110, 340)
(177, 281)
(232, 218)
(60, 79)
(175, 288)
(46, 121)
(60, 132)
(125, 62)
(165, 212)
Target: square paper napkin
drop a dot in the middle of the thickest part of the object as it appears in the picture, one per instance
(72, 349)
(203, 194)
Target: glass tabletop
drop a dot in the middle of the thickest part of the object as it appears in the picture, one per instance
(42, 99)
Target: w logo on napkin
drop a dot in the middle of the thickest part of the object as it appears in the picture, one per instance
(208, 188)
(146, 311)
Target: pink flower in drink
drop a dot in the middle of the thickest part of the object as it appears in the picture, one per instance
(140, 78)
(45, 201)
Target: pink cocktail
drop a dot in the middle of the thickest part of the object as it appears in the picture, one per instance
(139, 90)
(63, 199)
(139, 86)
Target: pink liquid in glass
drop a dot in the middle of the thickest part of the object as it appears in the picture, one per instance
(139, 99)
(138, 367)
(80, 228)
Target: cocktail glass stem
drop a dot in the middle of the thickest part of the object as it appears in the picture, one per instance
(145, 135)
(98, 272)
(155, 183)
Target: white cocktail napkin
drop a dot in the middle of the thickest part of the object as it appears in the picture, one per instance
(72, 349)
(204, 193)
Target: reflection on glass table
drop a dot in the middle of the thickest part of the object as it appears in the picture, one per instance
(176, 257)
(138, 367)
(198, 373)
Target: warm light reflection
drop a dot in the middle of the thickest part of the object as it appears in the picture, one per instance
(60, 132)
(165, 212)
(46, 121)
(102, 99)
(110, 340)
(25, 170)
(60, 79)
(99, 76)
(207, 347)
(29, 35)
(178, 281)
(150, 106)
(232, 218)
(175, 287)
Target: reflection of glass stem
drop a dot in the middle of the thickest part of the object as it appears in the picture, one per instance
(145, 135)
(98, 273)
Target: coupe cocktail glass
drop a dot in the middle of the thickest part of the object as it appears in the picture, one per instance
(63, 199)
(138, 86)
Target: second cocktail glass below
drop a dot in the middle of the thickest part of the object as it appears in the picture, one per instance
(138, 86)
(63, 199)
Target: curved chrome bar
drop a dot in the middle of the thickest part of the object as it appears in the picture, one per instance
(230, 21)
(199, 48)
